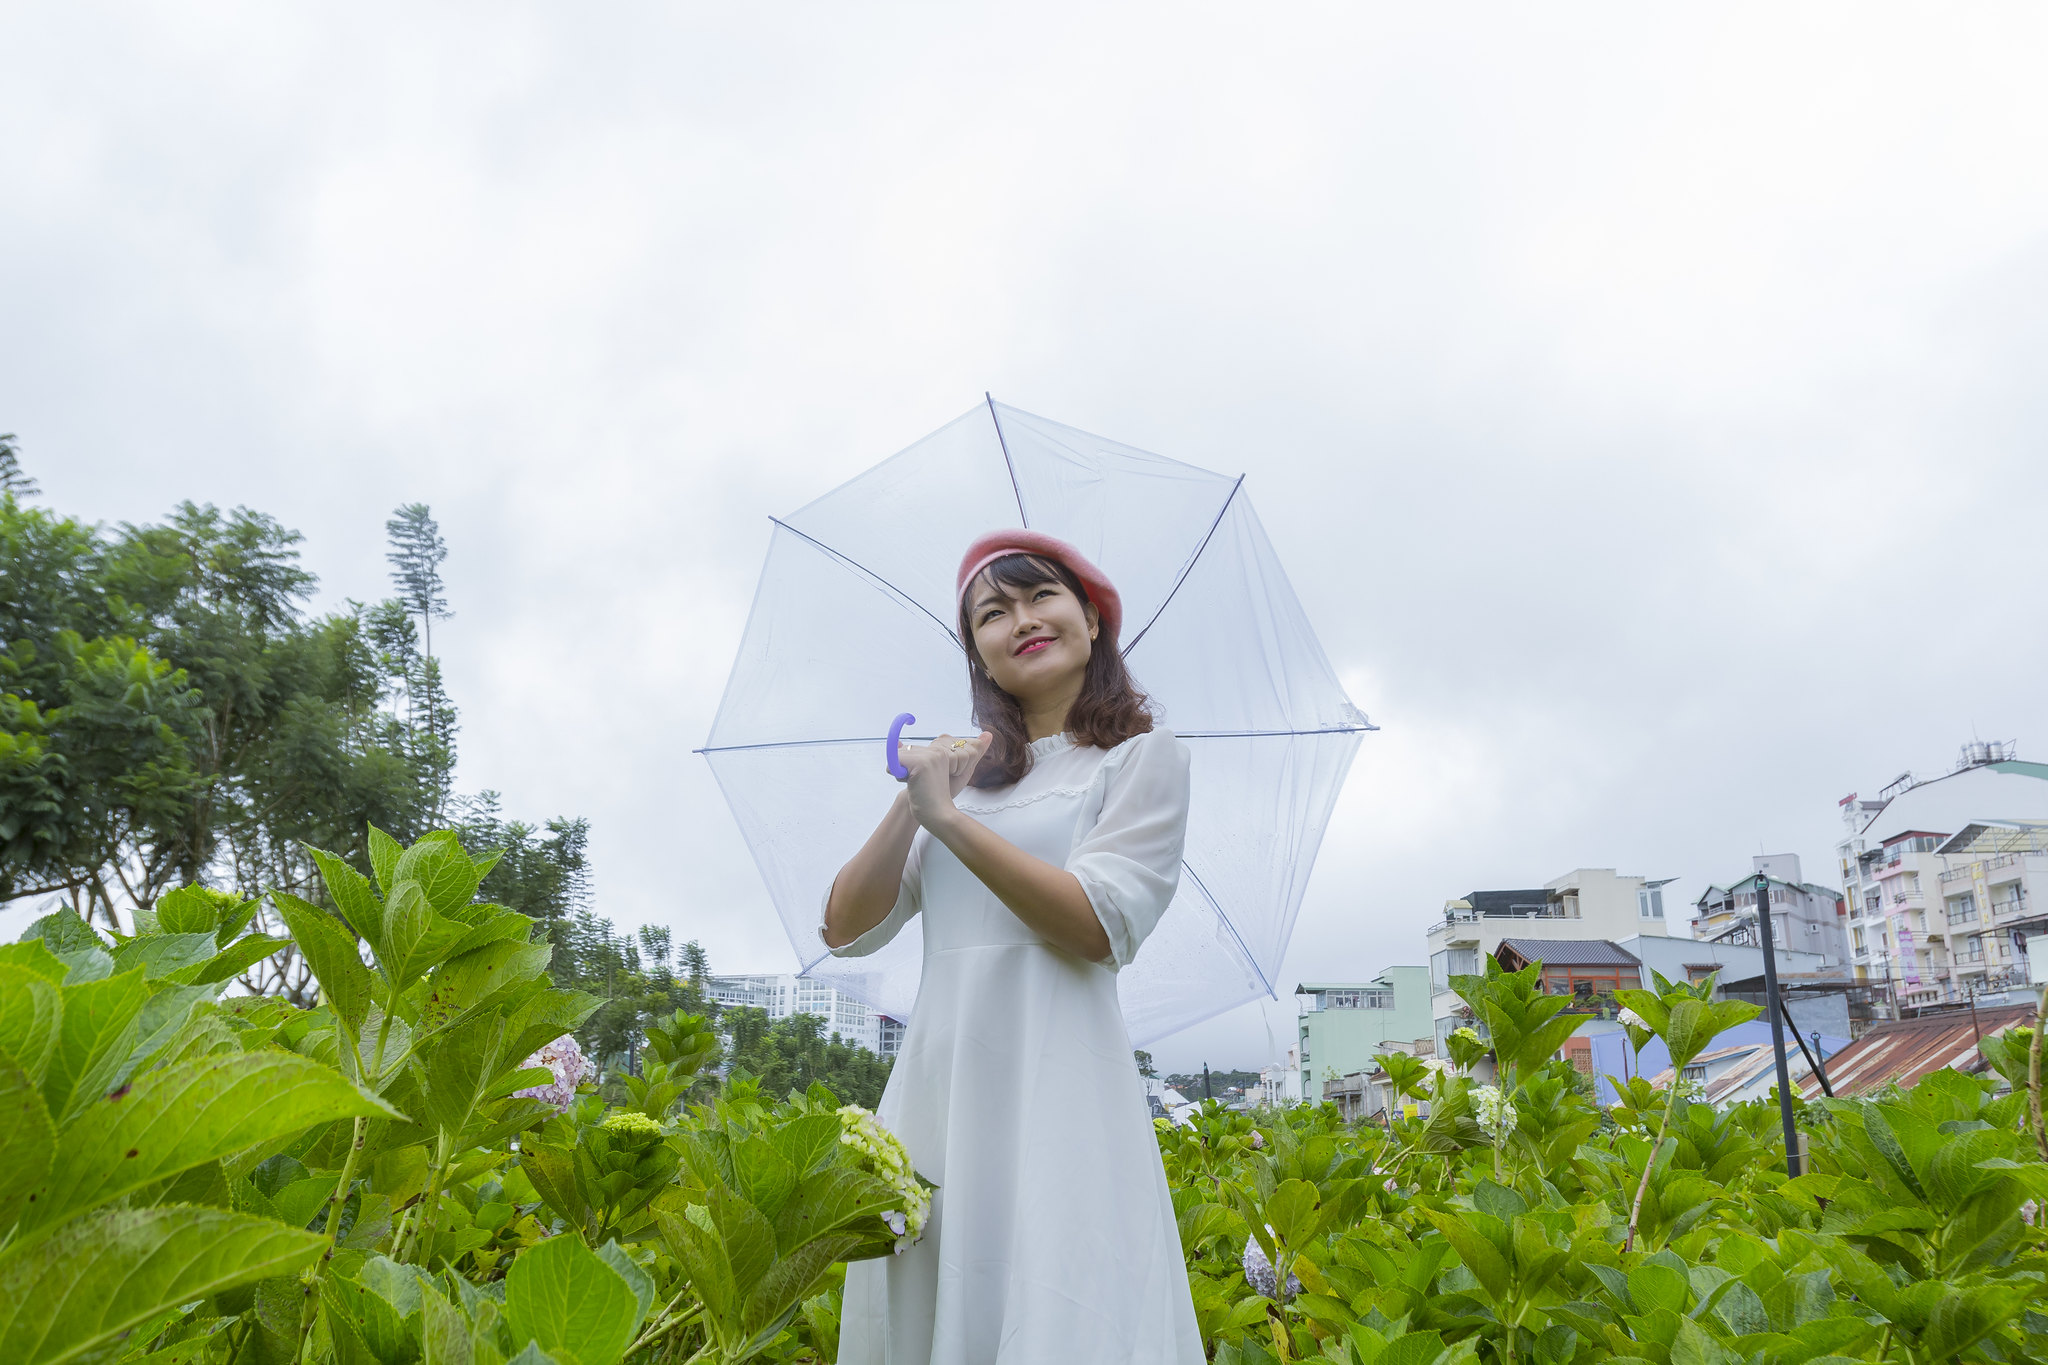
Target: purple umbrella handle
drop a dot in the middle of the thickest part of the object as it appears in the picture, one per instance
(896, 768)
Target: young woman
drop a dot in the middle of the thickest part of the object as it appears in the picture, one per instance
(1040, 854)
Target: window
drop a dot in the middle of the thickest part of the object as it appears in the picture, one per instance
(1449, 963)
(1695, 1072)
(1650, 902)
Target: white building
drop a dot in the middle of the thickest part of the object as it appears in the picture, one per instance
(1804, 918)
(782, 994)
(1943, 878)
(1586, 903)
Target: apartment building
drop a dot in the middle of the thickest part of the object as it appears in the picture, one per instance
(1804, 917)
(1342, 1024)
(1585, 903)
(1943, 878)
(782, 994)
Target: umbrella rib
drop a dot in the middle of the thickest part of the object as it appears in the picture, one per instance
(877, 739)
(1224, 919)
(1187, 569)
(1008, 464)
(857, 567)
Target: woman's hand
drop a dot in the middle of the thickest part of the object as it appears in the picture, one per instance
(939, 772)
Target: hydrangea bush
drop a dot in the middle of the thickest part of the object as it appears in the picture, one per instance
(416, 1170)
(1515, 1221)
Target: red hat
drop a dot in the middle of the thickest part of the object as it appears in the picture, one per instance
(996, 544)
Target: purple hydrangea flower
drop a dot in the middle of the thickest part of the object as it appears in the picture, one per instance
(565, 1059)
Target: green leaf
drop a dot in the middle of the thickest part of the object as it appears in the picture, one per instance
(331, 952)
(1476, 1249)
(35, 955)
(444, 872)
(641, 1283)
(475, 980)
(561, 1295)
(355, 898)
(238, 957)
(553, 1173)
(93, 1040)
(31, 1010)
(164, 955)
(384, 854)
(28, 1141)
(187, 910)
(694, 1241)
(789, 1282)
(194, 1112)
(1652, 1286)
(444, 1336)
(96, 1277)
(64, 932)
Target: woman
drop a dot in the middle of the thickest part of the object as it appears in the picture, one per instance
(1040, 854)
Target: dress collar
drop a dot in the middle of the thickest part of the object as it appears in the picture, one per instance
(1051, 744)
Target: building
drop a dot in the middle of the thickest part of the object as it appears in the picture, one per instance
(782, 994)
(1342, 1024)
(1804, 917)
(1942, 879)
(1279, 1084)
(1587, 903)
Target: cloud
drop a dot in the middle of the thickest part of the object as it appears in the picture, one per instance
(1646, 405)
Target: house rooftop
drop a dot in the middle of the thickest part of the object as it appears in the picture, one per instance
(1570, 952)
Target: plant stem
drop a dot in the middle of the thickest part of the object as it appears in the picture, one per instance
(1642, 1187)
(663, 1324)
(318, 1271)
(2034, 1077)
(430, 1206)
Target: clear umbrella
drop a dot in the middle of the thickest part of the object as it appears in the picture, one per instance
(854, 623)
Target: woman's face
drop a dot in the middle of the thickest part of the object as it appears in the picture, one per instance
(1033, 641)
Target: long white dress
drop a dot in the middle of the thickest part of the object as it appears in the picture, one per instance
(1052, 1236)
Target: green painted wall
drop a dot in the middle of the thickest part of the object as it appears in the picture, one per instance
(1340, 1041)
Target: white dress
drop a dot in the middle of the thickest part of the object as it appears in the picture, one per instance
(1052, 1236)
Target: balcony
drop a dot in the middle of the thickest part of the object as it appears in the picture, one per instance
(2009, 910)
(1955, 874)
(1968, 916)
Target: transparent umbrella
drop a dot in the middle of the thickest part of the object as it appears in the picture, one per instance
(854, 623)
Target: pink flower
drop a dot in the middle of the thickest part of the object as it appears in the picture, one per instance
(565, 1059)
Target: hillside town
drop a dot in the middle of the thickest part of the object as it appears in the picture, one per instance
(1919, 949)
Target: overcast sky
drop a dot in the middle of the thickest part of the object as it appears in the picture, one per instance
(1648, 406)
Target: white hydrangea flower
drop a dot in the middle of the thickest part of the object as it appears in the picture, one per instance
(1496, 1113)
(1258, 1271)
(571, 1068)
(1467, 1032)
(1630, 1019)
(884, 1155)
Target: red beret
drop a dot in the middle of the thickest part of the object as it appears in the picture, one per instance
(996, 544)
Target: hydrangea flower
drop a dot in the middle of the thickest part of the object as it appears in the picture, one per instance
(883, 1154)
(1258, 1271)
(1628, 1018)
(566, 1060)
(1467, 1032)
(632, 1121)
(1496, 1113)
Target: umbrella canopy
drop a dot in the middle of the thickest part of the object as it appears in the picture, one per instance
(854, 622)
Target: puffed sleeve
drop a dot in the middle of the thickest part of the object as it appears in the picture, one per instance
(909, 900)
(1129, 861)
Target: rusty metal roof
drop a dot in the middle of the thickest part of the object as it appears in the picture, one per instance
(1904, 1050)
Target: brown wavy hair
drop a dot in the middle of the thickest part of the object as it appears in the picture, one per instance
(1109, 710)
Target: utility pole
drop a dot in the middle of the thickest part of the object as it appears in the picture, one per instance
(1776, 1011)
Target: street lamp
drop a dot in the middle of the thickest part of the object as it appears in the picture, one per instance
(1772, 1008)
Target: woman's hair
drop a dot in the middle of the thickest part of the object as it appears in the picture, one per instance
(1109, 710)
